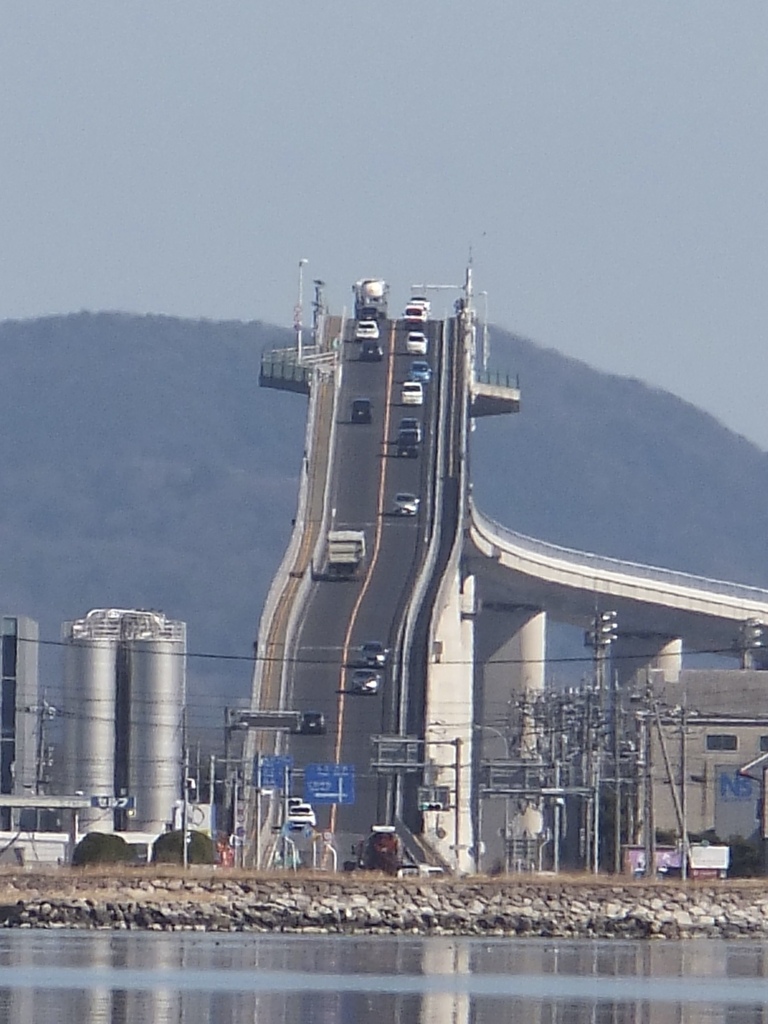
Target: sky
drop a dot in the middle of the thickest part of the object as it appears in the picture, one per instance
(605, 162)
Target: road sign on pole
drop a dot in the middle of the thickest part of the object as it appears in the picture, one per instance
(270, 772)
(329, 783)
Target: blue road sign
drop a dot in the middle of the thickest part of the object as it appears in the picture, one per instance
(329, 783)
(270, 771)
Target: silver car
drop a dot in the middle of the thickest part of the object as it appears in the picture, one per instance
(406, 504)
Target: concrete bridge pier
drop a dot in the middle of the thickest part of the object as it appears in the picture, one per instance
(448, 731)
(633, 654)
(510, 674)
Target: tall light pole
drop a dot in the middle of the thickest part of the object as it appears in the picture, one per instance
(599, 638)
(298, 313)
(486, 338)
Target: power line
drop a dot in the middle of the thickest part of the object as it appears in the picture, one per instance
(585, 659)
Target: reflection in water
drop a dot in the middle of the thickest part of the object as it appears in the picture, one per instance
(192, 978)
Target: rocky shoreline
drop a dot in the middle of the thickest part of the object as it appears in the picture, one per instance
(375, 906)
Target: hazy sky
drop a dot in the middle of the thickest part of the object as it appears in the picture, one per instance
(607, 161)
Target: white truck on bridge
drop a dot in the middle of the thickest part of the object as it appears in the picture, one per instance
(371, 295)
(345, 552)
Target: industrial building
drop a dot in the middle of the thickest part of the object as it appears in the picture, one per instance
(123, 711)
(18, 712)
(709, 723)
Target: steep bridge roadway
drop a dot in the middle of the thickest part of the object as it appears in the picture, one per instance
(340, 615)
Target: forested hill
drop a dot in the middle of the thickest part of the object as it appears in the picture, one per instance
(144, 467)
(610, 465)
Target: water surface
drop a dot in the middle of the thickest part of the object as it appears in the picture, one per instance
(190, 978)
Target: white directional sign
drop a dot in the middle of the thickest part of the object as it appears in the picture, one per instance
(329, 783)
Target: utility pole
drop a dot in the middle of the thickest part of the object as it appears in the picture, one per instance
(596, 817)
(212, 780)
(45, 712)
(457, 808)
(298, 313)
(600, 637)
(649, 831)
(318, 311)
(683, 791)
(616, 776)
(556, 823)
(257, 829)
(184, 794)
(668, 768)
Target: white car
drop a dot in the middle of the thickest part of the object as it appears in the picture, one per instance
(412, 393)
(406, 504)
(367, 330)
(421, 300)
(416, 343)
(415, 314)
(299, 815)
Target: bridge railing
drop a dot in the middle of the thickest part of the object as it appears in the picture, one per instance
(280, 367)
(496, 533)
(497, 378)
(424, 577)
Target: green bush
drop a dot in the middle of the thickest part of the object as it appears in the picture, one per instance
(101, 848)
(168, 848)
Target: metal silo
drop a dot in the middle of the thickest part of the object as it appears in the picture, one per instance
(124, 695)
(155, 734)
(89, 721)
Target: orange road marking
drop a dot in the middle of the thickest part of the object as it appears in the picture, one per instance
(371, 566)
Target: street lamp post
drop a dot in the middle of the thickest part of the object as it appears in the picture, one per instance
(298, 316)
(600, 637)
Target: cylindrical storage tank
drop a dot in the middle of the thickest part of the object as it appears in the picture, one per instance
(155, 724)
(88, 763)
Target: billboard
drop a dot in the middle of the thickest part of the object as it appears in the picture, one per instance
(737, 803)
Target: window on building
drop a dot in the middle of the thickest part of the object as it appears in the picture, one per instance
(9, 656)
(722, 741)
(8, 709)
(763, 744)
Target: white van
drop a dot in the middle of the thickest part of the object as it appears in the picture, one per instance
(412, 393)
(415, 314)
(416, 343)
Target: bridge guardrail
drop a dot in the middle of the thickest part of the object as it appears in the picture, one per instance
(455, 555)
(282, 578)
(493, 531)
(425, 575)
(282, 574)
(319, 547)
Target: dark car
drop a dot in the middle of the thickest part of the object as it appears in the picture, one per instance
(371, 352)
(411, 423)
(361, 410)
(312, 724)
(408, 444)
(365, 681)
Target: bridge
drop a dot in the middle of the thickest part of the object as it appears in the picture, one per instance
(461, 603)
